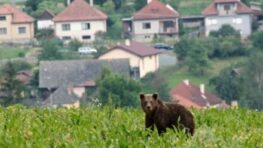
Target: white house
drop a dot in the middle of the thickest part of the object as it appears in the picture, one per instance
(230, 12)
(81, 21)
(143, 58)
(45, 20)
(155, 19)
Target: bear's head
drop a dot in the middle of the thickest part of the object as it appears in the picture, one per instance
(149, 102)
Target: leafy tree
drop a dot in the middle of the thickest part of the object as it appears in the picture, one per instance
(139, 4)
(182, 47)
(50, 50)
(257, 40)
(45, 33)
(252, 84)
(155, 82)
(225, 31)
(14, 90)
(74, 44)
(227, 84)
(194, 52)
(123, 91)
(197, 59)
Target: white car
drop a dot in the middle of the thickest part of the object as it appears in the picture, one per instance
(87, 50)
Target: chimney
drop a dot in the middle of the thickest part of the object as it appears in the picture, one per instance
(234, 104)
(186, 82)
(69, 2)
(148, 1)
(202, 89)
(91, 3)
(127, 42)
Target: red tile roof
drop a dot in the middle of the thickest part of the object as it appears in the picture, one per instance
(192, 96)
(212, 10)
(18, 15)
(80, 10)
(137, 48)
(155, 10)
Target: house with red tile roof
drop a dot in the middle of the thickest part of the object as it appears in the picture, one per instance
(15, 25)
(231, 12)
(81, 21)
(143, 58)
(190, 95)
(155, 19)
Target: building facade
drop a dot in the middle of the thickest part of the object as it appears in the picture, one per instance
(81, 21)
(15, 25)
(228, 12)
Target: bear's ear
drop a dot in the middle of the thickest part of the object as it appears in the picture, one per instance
(155, 96)
(142, 96)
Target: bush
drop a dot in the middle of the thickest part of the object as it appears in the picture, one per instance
(74, 45)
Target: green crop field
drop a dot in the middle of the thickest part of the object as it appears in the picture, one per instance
(106, 127)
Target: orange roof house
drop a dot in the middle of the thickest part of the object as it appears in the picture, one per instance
(190, 95)
(228, 12)
(154, 19)
(80, 20)
(15, 25)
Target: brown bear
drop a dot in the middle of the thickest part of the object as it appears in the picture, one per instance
(165, 115)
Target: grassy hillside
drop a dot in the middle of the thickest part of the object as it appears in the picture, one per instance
(175, 75)
(102, 127)
(192, 7)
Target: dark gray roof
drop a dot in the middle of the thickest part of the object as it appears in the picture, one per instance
(46, 15)
(54, 74)
(60, 97)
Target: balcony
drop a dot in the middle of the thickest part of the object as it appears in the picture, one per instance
(168, 27)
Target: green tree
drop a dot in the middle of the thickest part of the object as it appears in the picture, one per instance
(252, 84)
(257, 40)
(123, 91)
(155, 82)
(50, 50)
(45, 33)
(225, 31)
(139, 4)
(227, 84)
(74, 45)
(13, 90)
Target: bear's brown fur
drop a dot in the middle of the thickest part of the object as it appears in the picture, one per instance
(165, 115)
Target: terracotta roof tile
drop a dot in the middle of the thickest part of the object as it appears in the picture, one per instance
(212, 10)
(18, 15)
(192, 93)
(80, 10)
(156, 10)
(137, 48)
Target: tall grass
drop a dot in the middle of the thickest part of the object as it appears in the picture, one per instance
(94, 127)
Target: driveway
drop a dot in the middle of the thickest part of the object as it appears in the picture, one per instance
(167, 58)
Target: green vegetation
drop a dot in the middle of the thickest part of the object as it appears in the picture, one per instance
(8, 53)
(176, 75)
(104, 127)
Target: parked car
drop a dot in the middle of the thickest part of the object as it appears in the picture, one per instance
(87, 50)
(163, 46)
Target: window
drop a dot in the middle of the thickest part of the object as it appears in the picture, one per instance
(85, 26)
(135, 73)
(65, 27)
(21, 30)
(212, 22)
(2, 18)
(3, 31)
(227, 7)
(147, 37)
(86, 37)
(146, 25)
(237, 21)
(65, 38)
